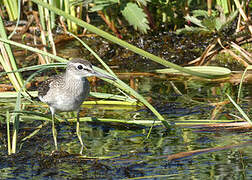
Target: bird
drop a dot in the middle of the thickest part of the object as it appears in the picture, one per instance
(66, 92)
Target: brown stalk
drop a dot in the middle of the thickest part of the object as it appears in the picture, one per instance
(215, 111)
(245, 18)
(243, 52)
(27, 26)
(180, 155)
(110, 24)
(206, 53)
(42, 59)
(239, 59)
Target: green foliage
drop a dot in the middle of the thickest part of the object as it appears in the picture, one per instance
(167, 12)
(213, 70)
(199, 12)
(224, 5)
(136, 17)
(11, 8)
(143, 2)
(132, 12)
(212, 24)
(102, 4)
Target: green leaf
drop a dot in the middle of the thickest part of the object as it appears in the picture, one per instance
(136, 17)
(240, 110)
(143, 2)
(189, 29)
(218, 23)
(102, 4)
(197, 13)
(229, 20)
(194, 20)
(209, 23)
(213, 70)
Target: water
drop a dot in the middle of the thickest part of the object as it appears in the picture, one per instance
(121, 151)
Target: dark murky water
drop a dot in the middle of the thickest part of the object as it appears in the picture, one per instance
(122, 151)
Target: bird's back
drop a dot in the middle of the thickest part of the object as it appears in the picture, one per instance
(63, 95)
(51, 82)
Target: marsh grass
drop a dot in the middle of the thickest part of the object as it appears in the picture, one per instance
(244, 115)
(9, 64)
(120, 84)
(8, 61)
(12, 9)
(15, 77)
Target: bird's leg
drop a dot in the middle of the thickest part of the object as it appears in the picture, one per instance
(78, 132)
(54, 131)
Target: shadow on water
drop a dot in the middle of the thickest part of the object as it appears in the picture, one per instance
(121, 151)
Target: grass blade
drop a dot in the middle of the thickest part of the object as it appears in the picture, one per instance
(16, 123)
(240, 110)
(8, 131)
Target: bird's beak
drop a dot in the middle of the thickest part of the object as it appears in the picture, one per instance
(102, 75)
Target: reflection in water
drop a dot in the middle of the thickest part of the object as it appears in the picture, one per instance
(122, 151)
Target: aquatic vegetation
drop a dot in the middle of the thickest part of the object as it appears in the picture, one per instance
(167, 123)
(132, 12)
(214, 23)
(138, 18)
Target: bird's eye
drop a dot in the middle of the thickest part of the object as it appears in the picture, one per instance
(80, 67)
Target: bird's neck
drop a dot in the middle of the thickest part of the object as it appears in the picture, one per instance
(76, 86)
(73, 80)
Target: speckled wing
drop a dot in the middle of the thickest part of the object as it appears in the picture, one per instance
(45, 86)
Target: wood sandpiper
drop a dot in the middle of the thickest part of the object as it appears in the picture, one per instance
(67, 91)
